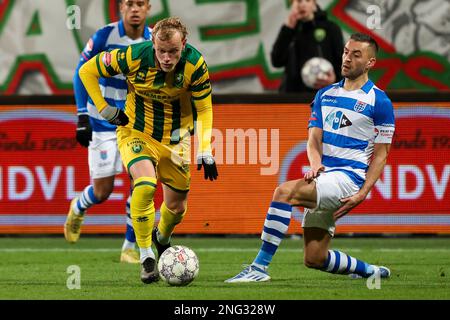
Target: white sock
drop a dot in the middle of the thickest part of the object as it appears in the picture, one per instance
(145, 253)
(128, 245)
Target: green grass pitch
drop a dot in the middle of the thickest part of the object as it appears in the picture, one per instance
(36, 268)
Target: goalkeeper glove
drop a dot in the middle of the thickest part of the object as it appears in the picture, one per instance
(114, 116)
(209, 166)
(84, 130)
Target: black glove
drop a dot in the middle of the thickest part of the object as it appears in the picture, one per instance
(209, 166)
(84, 130)
(120, 119)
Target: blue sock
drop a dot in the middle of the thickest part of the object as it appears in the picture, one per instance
(275, 228)
(129, 235)
(339, 262)
(86, 200)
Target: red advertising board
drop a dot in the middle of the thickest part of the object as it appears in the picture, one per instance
(42, 168)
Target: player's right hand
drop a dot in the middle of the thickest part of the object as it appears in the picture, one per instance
(313, 173)
(84, 130)
(114, 116)
(120, 120)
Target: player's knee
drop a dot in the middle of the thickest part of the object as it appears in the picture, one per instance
(282, 193)
(314, 262)
(176, 207)
(102, 194)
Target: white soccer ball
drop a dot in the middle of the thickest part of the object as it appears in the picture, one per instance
(315, 68)
(178, 265)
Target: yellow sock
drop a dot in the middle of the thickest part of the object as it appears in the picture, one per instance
(168, 221)
(143, 210)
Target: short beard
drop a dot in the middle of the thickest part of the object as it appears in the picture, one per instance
(353, 75)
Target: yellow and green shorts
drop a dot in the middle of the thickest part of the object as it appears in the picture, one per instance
(171, 161)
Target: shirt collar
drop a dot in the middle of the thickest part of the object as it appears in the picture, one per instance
(121, 29)
(366, 87)
(147, 35)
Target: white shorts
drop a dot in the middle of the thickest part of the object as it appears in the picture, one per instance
(331, 187)
(104, 157)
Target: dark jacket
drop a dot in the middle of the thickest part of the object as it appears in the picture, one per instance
(293, 47)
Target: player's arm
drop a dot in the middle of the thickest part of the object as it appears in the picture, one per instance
(95, 45)
(105, 64)
(201, 95)
(314, 151)
(314, 145)
(84, 129)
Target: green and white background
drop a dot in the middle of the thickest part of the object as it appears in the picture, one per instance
(39, 52)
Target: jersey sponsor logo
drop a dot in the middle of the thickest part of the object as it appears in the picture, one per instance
(359, 106)
(338, 120)
(329, 100)
(107, 59)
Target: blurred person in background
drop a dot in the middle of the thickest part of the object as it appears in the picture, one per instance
(97, 134)
(307, 33)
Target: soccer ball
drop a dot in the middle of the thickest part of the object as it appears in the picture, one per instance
(315, 68)
(178, 265)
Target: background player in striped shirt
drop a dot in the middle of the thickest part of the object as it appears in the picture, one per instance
(96, 133)
(154, 132)
(350, 133)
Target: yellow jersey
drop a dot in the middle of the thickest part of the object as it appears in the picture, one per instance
(163, 105)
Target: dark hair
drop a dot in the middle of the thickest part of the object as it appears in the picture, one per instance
(362, 37)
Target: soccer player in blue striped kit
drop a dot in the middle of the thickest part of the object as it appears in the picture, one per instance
(350, 133)
(96, 133)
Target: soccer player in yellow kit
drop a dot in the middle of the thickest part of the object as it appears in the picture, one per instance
(153, 133)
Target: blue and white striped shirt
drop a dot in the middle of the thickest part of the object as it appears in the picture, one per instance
(352, 122)
(114, 90)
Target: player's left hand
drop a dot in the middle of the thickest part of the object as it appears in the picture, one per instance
(348, 204)
(209, 166)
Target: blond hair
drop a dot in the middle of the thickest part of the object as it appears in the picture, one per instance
(164, 29)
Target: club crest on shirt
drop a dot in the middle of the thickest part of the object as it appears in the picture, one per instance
(359, 106)
(136, 148)
(136, 145)
(178, 81)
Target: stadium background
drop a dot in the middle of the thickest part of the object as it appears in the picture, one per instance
(41, 167)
